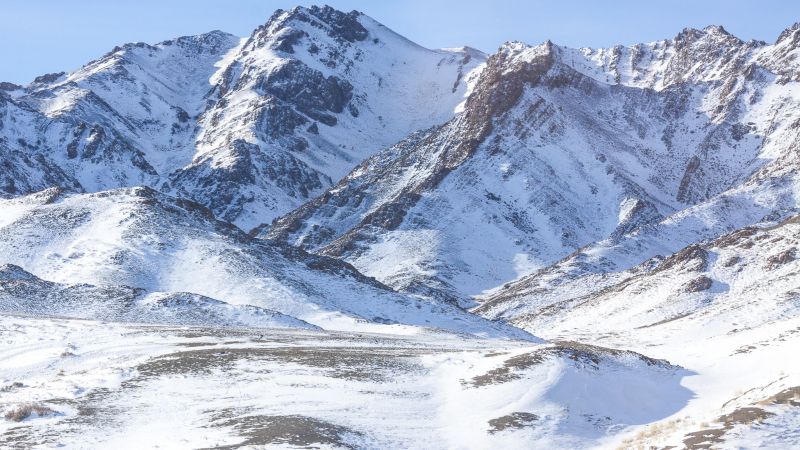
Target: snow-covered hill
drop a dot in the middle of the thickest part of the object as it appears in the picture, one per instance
(24, 293)
(727, 309)
(749, 274)
(140, 238)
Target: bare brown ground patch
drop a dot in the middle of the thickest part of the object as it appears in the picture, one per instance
(584, 355)
(295, 430)
(749, 415)
(360, 364)
(512, 421)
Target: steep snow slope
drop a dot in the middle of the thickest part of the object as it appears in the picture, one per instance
(138, 237)
(304, 99)
(549, 156)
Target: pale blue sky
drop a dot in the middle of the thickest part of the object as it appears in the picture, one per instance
(41, 36)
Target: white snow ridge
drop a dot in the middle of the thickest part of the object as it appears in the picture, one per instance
(323, 235)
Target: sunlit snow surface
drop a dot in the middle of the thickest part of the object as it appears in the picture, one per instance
(124, 386)
(127, 386)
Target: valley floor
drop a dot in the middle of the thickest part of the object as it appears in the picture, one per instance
(109, 385)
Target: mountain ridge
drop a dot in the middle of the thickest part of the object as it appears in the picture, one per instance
(198, 121)
(701, 179)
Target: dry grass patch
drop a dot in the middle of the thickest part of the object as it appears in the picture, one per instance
(25, 410)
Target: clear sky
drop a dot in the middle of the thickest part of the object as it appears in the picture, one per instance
(41, 36)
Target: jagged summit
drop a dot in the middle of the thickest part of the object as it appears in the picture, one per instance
(285, 28)
(709, 31)
(716, 29)
(790, 33)
(337, 24)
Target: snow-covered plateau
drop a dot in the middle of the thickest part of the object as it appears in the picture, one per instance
(324, 235)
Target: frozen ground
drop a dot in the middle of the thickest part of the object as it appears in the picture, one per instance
(111, 385)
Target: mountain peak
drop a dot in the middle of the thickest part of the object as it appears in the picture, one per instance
(789, 33)
(513, 53)
(49, 78)
(344, 25)
(715, 32)
(212, 39)
(716, 29)
(285, 28)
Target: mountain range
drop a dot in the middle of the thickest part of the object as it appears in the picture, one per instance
(326, 174)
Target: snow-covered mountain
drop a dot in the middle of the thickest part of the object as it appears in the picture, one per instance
(303, 100)
(125, 119)
(636, 151)
(251, 128)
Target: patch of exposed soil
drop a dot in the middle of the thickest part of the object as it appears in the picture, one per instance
(26, 410)
(789, 397)
(584, 355)
(667, 320)
(736, 238)
(346, 363)
(732, 261)
(706, 439)
(781, 258)
(693, 258)
(509, 371)
(295, 430)
(512, 421)
(699, 284)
